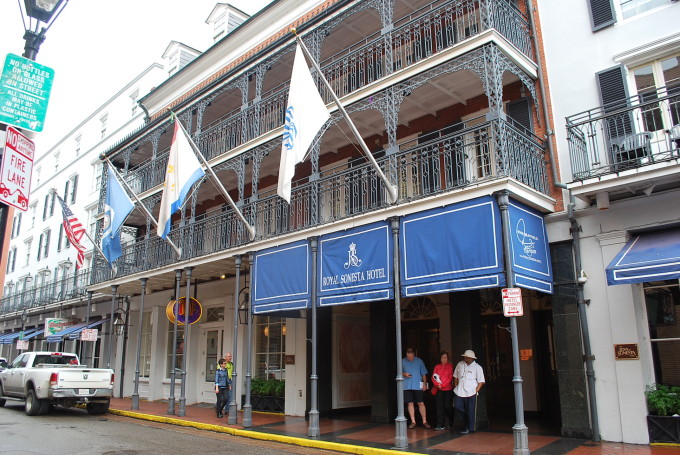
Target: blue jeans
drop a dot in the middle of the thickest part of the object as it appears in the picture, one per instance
(466, 407)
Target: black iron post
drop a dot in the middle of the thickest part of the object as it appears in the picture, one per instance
(135, 394)
(313, 431)
(400, 437)
(247, 406)
(231, 419)
(185, 352)
(114, 290)
(173, 369)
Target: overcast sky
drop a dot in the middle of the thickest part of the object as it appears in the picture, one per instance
(96, 48)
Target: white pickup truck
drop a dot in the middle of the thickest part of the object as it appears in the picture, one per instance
(44, 379)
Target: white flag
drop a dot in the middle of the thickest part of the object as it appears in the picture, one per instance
(183, 171)
(305, 115)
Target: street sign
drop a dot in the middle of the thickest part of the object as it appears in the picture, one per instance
(16, 169)
(88, 335)
(22, 344)
(25, 88)
(512, 302)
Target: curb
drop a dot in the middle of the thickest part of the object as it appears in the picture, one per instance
(293, 440)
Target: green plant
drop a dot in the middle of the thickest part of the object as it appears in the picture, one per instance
(267, 387)
(663, 400)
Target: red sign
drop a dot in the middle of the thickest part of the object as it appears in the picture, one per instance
(17, 169)
(512, 302)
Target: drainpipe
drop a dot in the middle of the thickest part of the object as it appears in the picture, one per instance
(575, 230)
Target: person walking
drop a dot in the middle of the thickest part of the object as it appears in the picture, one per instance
(222, 386)
(442, 387)
(468, 379)
(415, 383)
(230, 370)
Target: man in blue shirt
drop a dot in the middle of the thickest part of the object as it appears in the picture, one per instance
(222, 386)
(415, 383)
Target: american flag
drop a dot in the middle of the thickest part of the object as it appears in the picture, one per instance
(74, 231)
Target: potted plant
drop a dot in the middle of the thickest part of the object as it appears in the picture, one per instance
(663, 422)
(267, 395)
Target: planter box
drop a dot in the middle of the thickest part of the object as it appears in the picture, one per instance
(266, 404)
(663, 429)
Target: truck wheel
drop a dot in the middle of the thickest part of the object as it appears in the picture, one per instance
(33, 404)
(97, 408)
(2, 394)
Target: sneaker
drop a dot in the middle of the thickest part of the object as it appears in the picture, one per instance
(465, 431)
(439, 428)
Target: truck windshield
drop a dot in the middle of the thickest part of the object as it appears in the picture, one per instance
(55, 360)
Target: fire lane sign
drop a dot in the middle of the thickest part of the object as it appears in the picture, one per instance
(512, 302)
(25, 88)
(16, 169)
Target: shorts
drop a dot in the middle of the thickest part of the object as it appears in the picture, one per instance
(413, 396)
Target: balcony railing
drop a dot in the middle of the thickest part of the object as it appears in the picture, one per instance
(66, 288)
(422, 34)
(635, 132)
(451, 159)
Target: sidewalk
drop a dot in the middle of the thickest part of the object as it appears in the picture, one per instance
(362, 437)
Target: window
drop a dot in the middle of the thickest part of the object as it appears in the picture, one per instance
(92, 222)
(656, 80)
(52, 200)
(134, 96)
(33, 209)
(78, 144)
(46, 207)
(270, 347)
(102, 121)
(630, 8)
(44, 243)
(28, 243)
(179, 349)
(11, 260)
(40, 245)
(662, 300)
(145, 350)
(16, 225)
(97, 172)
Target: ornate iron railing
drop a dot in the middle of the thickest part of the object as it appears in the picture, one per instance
(444, 161)
(421, 34)
(66, 288)
(632, 133)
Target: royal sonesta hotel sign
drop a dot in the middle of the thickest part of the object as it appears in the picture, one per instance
(356, 265)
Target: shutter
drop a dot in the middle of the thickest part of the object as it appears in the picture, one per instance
(19, 224)
(47, 243)
(14, 227)
(14, 258)
(520, 112)
(61, 234)
(74, 189)
(602, 14)
(40, 245)
(66, 186)
(47, 203)
(614, 96)
(54, 196)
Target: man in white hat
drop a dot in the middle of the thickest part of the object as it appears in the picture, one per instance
(468, 379)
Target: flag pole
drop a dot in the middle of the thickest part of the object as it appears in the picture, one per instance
(90, 239)
(129, 190)
(223, 190)
(391, 189)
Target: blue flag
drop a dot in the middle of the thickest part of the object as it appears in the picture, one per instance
(117, 207)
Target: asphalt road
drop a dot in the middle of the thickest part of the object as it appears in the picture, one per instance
(75, 432)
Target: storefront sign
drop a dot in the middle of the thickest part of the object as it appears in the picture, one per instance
(282, 278)
(175, 309)
(55, 325)
(530, 250)
(356, 265)
(626, 351)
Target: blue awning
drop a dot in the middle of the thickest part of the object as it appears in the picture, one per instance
(453, 248)
(75, 334)
(34, 334)
(57, 337)
(529, 246)
(650, 256)
(356, 265)
(282, 278)
(8, 339)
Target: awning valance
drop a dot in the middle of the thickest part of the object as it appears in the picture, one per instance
(649, 256)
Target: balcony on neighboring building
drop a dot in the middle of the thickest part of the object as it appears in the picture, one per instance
(633, 139)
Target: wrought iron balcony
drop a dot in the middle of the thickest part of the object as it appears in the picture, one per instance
(70, 287)
(640, 131)
(426, 32)
(451, 159)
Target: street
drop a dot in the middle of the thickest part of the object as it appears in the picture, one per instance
(74, 431)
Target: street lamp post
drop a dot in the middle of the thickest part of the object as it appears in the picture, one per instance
(45, 12)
